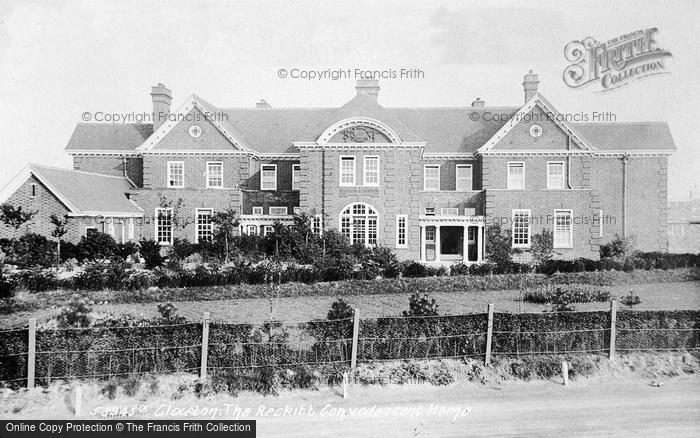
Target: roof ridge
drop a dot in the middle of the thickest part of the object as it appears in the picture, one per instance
(619, 123)
(112, 123)
(45, 166)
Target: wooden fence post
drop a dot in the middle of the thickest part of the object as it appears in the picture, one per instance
(489, 336)
(613, 323)
(78, 400)
(31, 353)
(355, 336)
(205, 345)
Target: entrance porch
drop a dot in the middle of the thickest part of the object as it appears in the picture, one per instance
(446, 240)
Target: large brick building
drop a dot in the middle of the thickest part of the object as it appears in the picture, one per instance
(424, 181)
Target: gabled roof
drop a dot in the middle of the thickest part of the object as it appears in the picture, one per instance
(639, 136)
(82, 193)
(208, 110)
(540, 102)
(453, 130)
(108, 136)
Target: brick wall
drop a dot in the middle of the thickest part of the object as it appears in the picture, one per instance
(44, 203)
(111, 165)
(542, 203)
(552, 138)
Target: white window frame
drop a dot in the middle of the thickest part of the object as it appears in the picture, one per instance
(296, 173)
(267, 229)
(297, 211)
(208, 176)
(170, 174)
(429, 211)
(370, 222)
(509, 182)
(449, 211)
(401, 227)
(248, 229)
(270, 210)
(111, 229)
(262, 177)
(88, 228)
(197, 227)
(570, 240)
(130, 229)
(432, 179)
(461, 188)
(258, 211)
(157, 225)
(353, 159)
(365, 160)
(317, 224)
(529, 228)
(550, 185)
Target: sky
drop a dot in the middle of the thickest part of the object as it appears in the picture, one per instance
(59, 59)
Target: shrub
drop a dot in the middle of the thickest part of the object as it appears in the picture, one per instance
(631, 300)
(340, 310)
(102, 274)
(127, 249)
(421, 305)
(499, 248)
(181, 249)
(7, 287)
(150, 251)
(29, 250)
(619, 247)
(37, 280)
(569, 293)
(75, 314)
(338, 268)
(96, 245)
(542, 246)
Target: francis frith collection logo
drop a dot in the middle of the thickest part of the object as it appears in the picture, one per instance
(614, 63)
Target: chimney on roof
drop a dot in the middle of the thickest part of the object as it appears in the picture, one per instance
(370, 87)
(263, 104)
(530, 83)
(478, 103)
(162, 97)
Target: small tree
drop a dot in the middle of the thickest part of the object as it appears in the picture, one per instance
(421, 305)
(60, 229)
(542, 246)
(14, 216)
(499, 248)
(226, 222)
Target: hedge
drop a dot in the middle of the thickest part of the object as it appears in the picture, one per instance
(398, 286)
(247, 355)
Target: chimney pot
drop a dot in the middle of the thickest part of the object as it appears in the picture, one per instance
(478, 103)
(530, 85)
(263, 104)
(161, 97)
(370, 87)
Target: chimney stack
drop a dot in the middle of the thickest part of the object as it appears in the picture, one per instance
(162, 97)
(530, 83)
(263, 104)
(370, 87)
(478, 103)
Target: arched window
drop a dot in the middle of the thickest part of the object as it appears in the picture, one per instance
(358, 222)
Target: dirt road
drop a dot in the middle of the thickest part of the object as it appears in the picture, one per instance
(591, 408)
(605, 406)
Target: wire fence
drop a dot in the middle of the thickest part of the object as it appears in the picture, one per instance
(246, 350)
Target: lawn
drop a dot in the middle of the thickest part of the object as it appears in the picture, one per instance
(655, 296)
